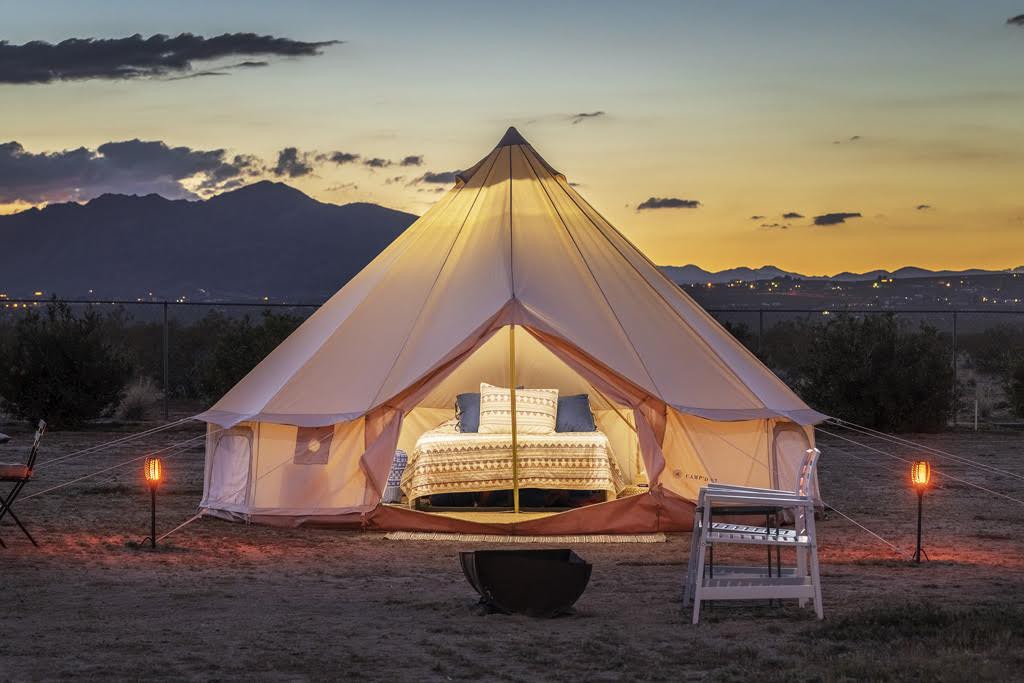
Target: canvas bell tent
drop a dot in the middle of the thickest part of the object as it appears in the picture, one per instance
(511, 279)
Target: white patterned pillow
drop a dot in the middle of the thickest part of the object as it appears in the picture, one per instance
(536, 410)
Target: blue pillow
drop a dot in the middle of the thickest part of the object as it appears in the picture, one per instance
(467, 409)
(574, 414)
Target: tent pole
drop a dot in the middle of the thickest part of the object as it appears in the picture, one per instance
(512, 396)
(615, 408)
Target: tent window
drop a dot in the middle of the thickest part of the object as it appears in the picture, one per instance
(313, 445)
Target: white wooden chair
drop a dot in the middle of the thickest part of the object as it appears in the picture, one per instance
(736, 583)
(804, 486)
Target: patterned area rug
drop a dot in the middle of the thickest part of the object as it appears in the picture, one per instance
(497, 538)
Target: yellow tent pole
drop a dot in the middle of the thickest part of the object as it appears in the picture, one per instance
(512, 396)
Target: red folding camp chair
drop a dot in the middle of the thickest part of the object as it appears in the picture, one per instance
(20, 475)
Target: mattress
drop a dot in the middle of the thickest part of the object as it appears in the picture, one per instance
(448, 461)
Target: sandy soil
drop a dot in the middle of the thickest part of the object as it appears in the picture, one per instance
(227, 601)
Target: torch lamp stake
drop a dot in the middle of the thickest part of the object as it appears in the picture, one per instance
(919, 552)
(152, 471)
(153, 518)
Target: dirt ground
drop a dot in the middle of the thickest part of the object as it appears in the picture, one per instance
(230, 601)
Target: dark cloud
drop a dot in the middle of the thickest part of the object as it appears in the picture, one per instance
(339, 158)
(220, 71)
(394, 179)
(584, 115)
(667, 203)
(377, 162)
(231, 175)
(852, 138)
(343, 186)
(923, 207)
(416, 160)
(775, 226)
(792, 214)
(835, 218)
(129, 167)
(1016, 21)
(137, 57)
(756, 218)
(293, 163)
(438, 178)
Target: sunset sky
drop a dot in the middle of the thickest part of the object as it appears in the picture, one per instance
(893, 133)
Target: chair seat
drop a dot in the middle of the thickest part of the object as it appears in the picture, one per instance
(746, 528)
(14, 472)
(755, 538)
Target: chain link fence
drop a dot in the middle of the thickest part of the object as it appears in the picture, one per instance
(194, 351)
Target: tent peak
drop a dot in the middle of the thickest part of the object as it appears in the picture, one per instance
(512, 137)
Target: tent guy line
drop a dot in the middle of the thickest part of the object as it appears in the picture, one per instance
(897, 440)
(180, 446)
(115, 442)
(845, 516)
(934, 470)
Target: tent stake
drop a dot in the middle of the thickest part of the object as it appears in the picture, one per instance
(512, 397)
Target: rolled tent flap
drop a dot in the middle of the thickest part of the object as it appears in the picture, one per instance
(511, 244)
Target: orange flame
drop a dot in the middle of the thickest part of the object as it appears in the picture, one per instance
(152, 471)
(920, 473)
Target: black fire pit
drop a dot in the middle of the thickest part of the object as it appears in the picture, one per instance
(538, 583)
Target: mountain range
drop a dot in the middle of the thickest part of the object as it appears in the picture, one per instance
(263, 240)
(691, 274)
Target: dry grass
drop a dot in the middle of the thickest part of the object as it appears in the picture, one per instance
(138, 400)
(230, 601)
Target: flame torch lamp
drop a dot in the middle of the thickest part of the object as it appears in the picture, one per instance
(153, 472)
(920, 475)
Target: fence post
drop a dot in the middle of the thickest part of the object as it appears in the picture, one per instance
(166, 363)
(760, 332)
(955, 383)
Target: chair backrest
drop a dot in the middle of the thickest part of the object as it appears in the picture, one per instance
(40, 430)
(808, 471)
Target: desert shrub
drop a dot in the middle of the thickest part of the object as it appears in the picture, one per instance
(60, 367)
(190, 347)
(1015, 390)
(872, 371)
(240, 346)
(195, 349)
(995, 350)
(743, 334)
(138, 400)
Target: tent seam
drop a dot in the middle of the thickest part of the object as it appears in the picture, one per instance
(444, 264)
(722, 362)
(593, 277)
(359, 305)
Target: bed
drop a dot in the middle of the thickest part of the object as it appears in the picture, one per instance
(446, 460)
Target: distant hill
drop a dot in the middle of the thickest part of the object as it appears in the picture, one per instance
(265, 239)
(691, 274)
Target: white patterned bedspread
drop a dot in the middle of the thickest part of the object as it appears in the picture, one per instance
(448, 461)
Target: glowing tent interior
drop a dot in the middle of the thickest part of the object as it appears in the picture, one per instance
(511, 279)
